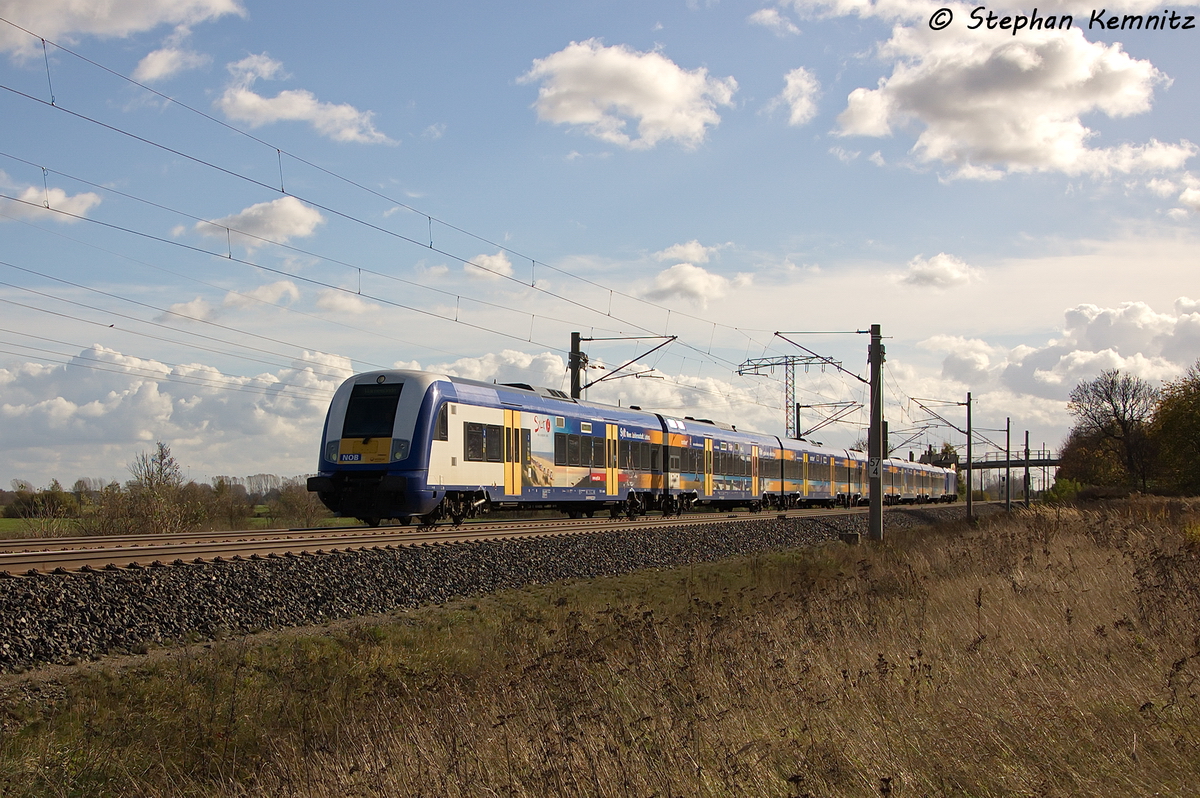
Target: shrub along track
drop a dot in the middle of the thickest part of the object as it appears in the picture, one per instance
(65, 616)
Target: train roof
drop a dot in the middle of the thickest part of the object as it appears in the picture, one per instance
(553, 401)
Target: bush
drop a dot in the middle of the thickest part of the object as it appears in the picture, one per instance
(295, 506)
(1064, 490)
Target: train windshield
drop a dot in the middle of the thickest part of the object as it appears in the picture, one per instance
(372, 411)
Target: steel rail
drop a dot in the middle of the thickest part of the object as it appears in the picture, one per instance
(42, 555)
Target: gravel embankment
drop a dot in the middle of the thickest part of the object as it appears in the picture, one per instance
(66, 618)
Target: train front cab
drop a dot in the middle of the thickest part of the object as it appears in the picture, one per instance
(374, 447)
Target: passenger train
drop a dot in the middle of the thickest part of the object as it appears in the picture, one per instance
(413, 445)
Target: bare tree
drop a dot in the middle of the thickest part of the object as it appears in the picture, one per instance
(1115, 409)
(157, 469)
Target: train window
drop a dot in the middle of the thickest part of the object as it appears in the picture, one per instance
(441, 429)
(635, 456)
(560, 449)
(473, 441)
(560, 422)
(572, 450)
(673, 459)
(646, 449)
(493, 443)
(598, 452)
(656, 458)
(585, 426)
(371, 412)
(624, 461)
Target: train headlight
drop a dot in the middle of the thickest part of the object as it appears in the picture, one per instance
(331, 451)
(399, 449)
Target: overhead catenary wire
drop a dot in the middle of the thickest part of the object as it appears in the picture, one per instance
(293, 275)
(371, 225)
(374, 192)
(155, 374)
(529, 339)
(328, 209)
(264, 267)
(290, 247)
(228, 291)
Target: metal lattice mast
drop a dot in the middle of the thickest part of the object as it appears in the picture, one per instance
(763, 365)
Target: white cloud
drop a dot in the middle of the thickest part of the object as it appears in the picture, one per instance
(771, 18)
(271, 294)
(277, 221)
(601, 89)
(336, 301)
(687, 281)
(489, 267)
(1191, 195)
(693, 252)
(990, 105)
(545, 369)
(338, 122)
(35, 199)
(1163, 188)
(68, 19)
(1132, 337)
(940, 271)
(168, 62)
(845, 156)
(434, 272)
(434, 132)
(1184, 305)
(111, 406)
(800, 93)
(197, 309)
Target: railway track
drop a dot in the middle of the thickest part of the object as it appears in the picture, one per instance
(46, 555)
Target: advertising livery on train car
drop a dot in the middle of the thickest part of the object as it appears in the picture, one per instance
(410, 444)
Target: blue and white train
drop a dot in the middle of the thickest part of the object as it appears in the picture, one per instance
(413, 445)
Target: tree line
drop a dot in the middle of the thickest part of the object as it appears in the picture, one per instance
(158, 499)
(1130, 435)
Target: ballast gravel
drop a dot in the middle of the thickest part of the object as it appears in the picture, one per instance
(65, 618)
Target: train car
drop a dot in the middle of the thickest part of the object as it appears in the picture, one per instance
(409, 444)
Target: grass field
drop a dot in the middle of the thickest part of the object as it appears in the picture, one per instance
(1052, 653)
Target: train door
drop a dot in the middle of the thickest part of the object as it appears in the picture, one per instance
(708, 467)
(512, 452)
(804, 475)
(755, 485)
(612, 484)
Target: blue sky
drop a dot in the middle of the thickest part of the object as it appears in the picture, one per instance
(1019, 212)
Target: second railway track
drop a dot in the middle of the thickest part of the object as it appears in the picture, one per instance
(44, 555)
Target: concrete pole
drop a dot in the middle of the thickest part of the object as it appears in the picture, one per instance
(876, 446)
(970, 481)
(1026, 469)
(1008, 465)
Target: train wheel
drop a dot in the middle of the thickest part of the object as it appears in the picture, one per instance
(371, 522)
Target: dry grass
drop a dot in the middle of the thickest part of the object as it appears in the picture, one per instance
(1052, 653)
